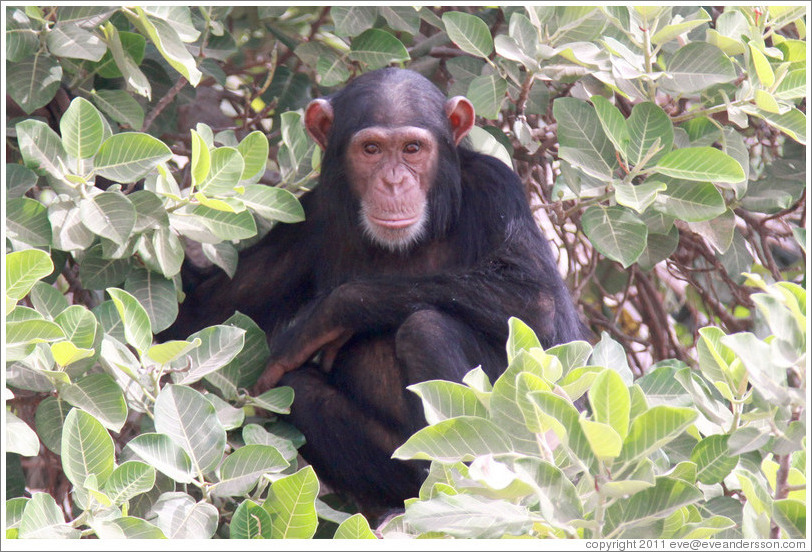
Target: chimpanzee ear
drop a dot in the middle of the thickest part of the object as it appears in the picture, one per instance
(318, 120)
(460, 112)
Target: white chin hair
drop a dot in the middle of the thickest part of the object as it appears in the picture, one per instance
(394, 239)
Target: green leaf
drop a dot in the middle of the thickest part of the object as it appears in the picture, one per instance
(169, 252)
(20, 438)
(32, 331)
(21, 39)
(377, 48)
(484, 142)
(68, 231)
(230, 417)
(66, 353)
(603, 439)
(613, 123)
(125, 61)
(691, 201)
(226, 226)
(250, 521)
(402, 18)
(254, 434)
(469, 32)
(242, 469)
(680, 26)
(133, 44)
(354, 527)
(96, 272)
(445, 399)
(86, 17)
(129, 156)
(224, 173)
(638, 197)
(219, 345)
(33, 81)
(41, 148)
(582, 139)
(245, 368)
(648, 124)
(129, 480)
(659, 247)
(191, 422)
(19, 180)
(276, 400)
(99, 395)
(79, 325)
(23, 270)
(254, 151)
(127, 527)
(616, 232)
(42, 519)
(137, 326)
(119, 106)
(291, 503)
(701, 164)
(712, 459)
(156, 294)
(87, 449)
(27, 221)
(158, 450)
(650, 504)
(764, 72)
(792, 86)
(110, 215)
(81, 128)
(468, 516)
(520, 337)
(180, 517)
(487, 92)
(353, 20)
(458, 439)
(164, 353)
(653, 429)
(610, 401)
(332, 70)
(792, 123)
(169, 44)
(49, 420)
(697, 66)
(273, 204)
(790, 515)
(566, 425)
(72, 41)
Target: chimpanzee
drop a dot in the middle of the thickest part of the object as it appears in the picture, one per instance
(414, 253)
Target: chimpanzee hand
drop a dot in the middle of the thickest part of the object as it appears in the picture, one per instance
(314, 329)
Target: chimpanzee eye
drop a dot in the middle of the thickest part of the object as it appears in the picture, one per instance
(371, 148)
(412, 147)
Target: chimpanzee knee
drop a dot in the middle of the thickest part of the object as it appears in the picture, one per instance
(434, 345)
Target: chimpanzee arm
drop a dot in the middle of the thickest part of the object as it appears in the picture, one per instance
(273, 280)
(483, 298)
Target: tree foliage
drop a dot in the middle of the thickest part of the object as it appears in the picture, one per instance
(663, 149)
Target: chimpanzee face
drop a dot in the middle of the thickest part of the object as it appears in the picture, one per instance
(392, 166)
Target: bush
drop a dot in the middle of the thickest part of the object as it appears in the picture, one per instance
(662, 148)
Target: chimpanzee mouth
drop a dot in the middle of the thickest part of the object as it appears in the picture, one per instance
(394, 233)
(394, 223)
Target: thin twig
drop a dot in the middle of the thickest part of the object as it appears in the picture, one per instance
(165, 101)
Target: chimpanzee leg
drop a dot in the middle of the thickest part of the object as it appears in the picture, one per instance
(349, 441)
(358, 414)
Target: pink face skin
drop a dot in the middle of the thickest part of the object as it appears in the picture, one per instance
(392, 169)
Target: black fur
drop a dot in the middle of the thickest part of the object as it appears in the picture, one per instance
(434, 311)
